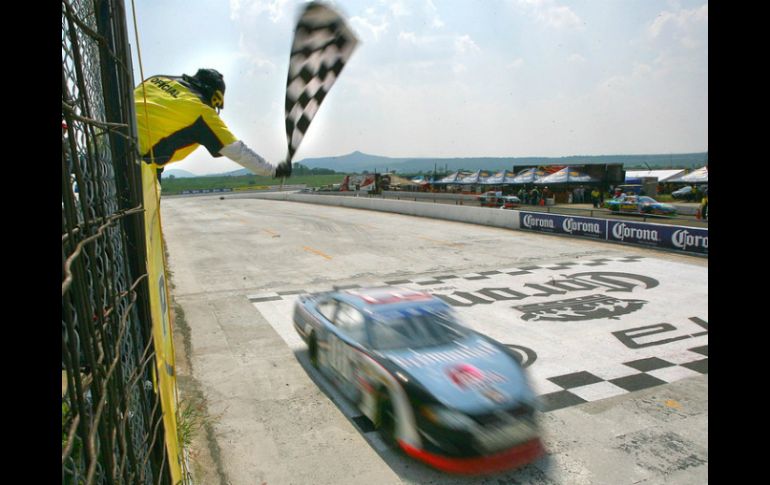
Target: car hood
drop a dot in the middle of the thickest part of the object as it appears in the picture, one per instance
(473, 375)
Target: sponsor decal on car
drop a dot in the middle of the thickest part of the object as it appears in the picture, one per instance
(467, 376)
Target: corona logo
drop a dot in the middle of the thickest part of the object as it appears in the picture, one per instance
(532, 221)
(683, 239)
(623, 231)
(570, 225)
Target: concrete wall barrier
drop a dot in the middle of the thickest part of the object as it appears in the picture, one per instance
(507, 219)
(663, 236)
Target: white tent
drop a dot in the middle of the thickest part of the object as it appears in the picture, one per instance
(661, 175)
(565, 176)
(529, 176)
(700, 176)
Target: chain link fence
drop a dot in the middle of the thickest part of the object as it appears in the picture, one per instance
(112, 428)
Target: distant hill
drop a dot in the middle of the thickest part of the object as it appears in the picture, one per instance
(358, 162)
(178, 173)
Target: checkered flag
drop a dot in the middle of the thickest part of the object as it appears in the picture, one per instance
(322, 45)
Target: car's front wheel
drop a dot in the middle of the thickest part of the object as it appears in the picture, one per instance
(312, 349)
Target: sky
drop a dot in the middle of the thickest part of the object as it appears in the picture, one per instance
(450, 78)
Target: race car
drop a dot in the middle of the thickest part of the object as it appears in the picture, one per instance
(639, 204)
(497, 199)
(510, 202)
(490, 198)
(446, 395)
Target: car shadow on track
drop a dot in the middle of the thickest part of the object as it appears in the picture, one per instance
(411, 470)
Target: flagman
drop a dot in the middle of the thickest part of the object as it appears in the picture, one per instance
(175, 115)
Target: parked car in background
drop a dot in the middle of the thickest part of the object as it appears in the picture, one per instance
(685, 193)
(448, 396)
(639, 204)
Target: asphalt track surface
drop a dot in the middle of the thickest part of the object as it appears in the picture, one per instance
(614, 338)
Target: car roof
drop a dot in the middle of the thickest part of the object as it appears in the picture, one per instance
(385, 298)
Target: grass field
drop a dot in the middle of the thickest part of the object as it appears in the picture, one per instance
(172, 186)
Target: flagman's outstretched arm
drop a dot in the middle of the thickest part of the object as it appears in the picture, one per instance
(247, 158)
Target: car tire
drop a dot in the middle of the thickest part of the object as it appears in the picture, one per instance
(386, 418)
(312, 350)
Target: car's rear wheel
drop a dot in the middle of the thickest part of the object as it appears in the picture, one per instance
(386, 419)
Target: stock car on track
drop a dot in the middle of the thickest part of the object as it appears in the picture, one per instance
(446, 395)
(510, 202)
(639, 204)
(497, 199)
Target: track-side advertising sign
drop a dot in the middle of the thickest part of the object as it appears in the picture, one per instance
(561, 224)
(679, 238)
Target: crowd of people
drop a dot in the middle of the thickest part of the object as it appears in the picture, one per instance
(578, 195)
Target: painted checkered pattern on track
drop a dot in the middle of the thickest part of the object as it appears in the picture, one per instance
(594, 328)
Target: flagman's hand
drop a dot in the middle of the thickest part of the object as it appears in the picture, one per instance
(283, 170)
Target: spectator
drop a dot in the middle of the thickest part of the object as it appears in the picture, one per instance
(522, 195)
(704, 205)
(595, 197)
(534, 198)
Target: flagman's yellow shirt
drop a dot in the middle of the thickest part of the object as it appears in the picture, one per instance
(172, 122)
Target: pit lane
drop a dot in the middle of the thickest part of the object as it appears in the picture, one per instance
(601, 328)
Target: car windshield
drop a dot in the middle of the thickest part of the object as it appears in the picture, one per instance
(414, 328)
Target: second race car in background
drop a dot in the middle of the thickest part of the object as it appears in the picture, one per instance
(446, 395)
(639, 204)
(497, 199)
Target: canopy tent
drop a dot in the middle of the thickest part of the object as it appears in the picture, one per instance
(567, 175)
(529, 176)
(396, 181)
(661, 175)
(500, 178)
(449, 179)
(474, 178)
(700, 176)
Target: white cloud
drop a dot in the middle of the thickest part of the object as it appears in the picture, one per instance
(552, 14)
(373, 23)
(275, 9)
(687, 27)
(397, 7)
(465, 45)
(516, 63)
(576, 59)
(432, 13)
(560, 17)
(408, 37)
